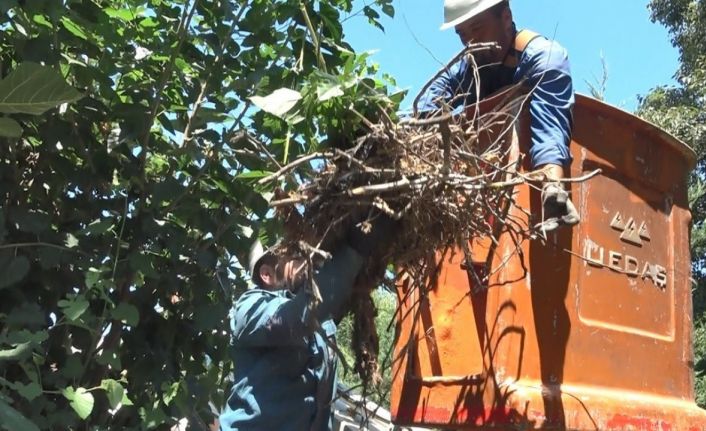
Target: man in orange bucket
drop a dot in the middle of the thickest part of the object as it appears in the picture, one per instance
(541, 64)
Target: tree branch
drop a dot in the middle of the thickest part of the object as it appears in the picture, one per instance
(186, 17)
(300, 161)
(314, 37)
(41, 244)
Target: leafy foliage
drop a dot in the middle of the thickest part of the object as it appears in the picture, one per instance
(598, 86)
(33, 89)
(682, 111)
(386, 305)
(125, 214)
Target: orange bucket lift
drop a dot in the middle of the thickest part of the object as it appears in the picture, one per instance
(591, 330)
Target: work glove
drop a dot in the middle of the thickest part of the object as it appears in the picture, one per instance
(372, 236)
(557, 208)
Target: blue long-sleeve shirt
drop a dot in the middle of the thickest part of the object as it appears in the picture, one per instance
(285, 372)
(544, 68)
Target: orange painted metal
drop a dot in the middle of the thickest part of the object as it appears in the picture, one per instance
(591, 330)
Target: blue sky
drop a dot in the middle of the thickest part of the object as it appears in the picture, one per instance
(638, 53)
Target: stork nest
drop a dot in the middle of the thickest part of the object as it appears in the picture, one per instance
(445, 178)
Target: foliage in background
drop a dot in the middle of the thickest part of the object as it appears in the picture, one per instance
(682, 111)
(124, 214)
(386, 304)
(700, 365)
(599, 86)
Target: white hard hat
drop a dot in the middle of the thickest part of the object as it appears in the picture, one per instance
(257, 252)
(458, 11)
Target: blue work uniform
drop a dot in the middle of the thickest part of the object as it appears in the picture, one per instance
(543, 67)
(285, 370)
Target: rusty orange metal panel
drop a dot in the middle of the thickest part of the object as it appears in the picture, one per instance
(439, 314)
(591, 330)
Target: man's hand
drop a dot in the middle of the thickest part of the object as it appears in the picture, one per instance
(557, 208)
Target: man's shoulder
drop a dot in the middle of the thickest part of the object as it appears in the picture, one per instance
(257, 294)
(546, 46)
(254, 301)
(543, 53)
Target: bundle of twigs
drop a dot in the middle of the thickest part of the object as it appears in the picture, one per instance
(435, 175)
(446, 179)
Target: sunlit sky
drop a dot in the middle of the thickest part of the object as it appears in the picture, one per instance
(638, 53)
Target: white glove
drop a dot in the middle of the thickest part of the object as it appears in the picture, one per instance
(557, 208)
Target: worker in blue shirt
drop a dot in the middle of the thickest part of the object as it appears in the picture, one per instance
(541, 64)
(282, 349)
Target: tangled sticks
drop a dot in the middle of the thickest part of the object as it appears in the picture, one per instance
(447, 180)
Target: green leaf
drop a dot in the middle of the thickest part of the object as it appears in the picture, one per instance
(26, 336)
(74, 307)
(388, 10)
(170, 391)
(208, 317)
(49, 257)
(279, 103)
(81, 401)
(97, 227)
(148, 23)
(34, 89)
(372, 15)
(121, 14)
(398, 96)
(14, 272)
(143, 263)
(114, 390)
(182, 64)
(93, 277)
(220, 185)
(12, 420)
(30, 221)
(26, 315)
(10, 128)
(71, 241)
(165, 191)
(16, 353)
(109, 357)
(42, 20)
(29, 391)
(73, 28)
(126, 313)
(253, 175)
(73, 367)
(152, 417)
(326, 92)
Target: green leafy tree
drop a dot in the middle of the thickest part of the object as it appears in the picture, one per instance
(682, 111)
(126, 211)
